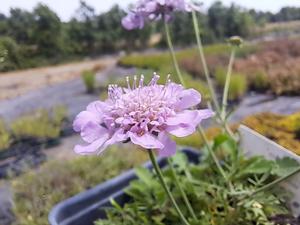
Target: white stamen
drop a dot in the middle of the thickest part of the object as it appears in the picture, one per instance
(141, 84)
(154, 79)
(134, 82)
(128, 84)
(168, 81)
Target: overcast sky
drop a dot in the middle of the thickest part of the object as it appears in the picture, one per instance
(66, 8)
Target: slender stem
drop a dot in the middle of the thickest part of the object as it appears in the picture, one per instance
(227, 84)
(214, 157)
(202, 133)
(273, 183)
(170, 45)
(182, 192)
(206, 73)
(164, 185)
(203, 61)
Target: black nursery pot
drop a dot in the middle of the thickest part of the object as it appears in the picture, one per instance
(86, 207)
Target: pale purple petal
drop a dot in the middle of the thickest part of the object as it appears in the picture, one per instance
(188, 98)
(184, 124)
(169, 148)
(204, 114)
(192, 117)
(181, 130)
(91, 148)
(161, 2)
(133, 21)
(150, 7)
(117, 137)
(185, 117)
(146, 141)
(96, 107)
(93, 131)
(83, 118)
(149, 10)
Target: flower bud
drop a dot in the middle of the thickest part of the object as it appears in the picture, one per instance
(236, 41)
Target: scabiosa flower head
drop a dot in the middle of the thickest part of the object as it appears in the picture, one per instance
(145, 115)
(133, 21)
(146, 10)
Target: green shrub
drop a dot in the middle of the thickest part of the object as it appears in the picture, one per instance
(238, 87)
(89, 80)
(36, 192)
(238, 83)
(5, 137)
(259, 81)
(12, 57)
(153, 61)
(158, 60)
(220, 76)
(39, 125)
(59, 114)
(286, 82)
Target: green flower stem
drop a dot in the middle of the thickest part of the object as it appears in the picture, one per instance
(206, 73)
(203, 61)
(170, 45)
(273, 183)
(227, 84)
(164, 185)
(214, 157)
(200, 129)
(183, 194)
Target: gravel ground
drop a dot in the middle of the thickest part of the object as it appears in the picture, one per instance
(71, 94)
(256, 103)
(6, 204)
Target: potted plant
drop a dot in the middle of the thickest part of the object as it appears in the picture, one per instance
(226, 188)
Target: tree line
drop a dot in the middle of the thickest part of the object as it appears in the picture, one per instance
(39, 37)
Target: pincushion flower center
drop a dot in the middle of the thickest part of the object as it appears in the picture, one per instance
(144, 108)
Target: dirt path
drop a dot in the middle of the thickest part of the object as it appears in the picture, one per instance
(71, 94)
(13, 84)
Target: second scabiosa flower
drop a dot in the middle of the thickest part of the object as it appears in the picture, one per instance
(145, 10)
(144, 114)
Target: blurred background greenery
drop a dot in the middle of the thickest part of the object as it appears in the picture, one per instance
(29, 35)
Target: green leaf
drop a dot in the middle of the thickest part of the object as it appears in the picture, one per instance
(285, 166)
(256, 165)
(219, 140)
(144, 175)
(180, 161)
(228, 145)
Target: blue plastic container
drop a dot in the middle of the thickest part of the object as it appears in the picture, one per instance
(87, 207)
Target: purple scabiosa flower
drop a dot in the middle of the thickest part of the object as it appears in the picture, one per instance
(145, 115)
(133, 21)
(146, 10)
